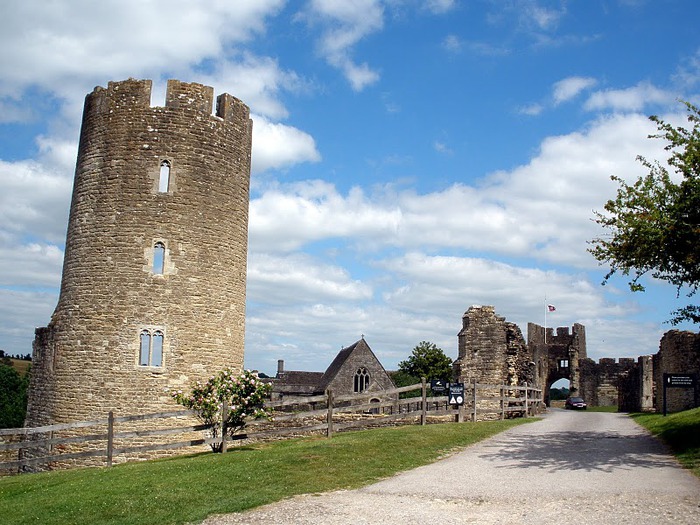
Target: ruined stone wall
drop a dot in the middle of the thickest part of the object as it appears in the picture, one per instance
(679, 353)
(601, 382)
(491, 350)
(88, 360)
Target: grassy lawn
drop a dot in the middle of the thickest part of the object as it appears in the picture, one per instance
(189, 488)
(680, 431)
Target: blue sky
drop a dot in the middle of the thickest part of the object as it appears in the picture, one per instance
(410, 159)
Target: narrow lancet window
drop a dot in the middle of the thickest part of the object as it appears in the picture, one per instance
(157, 349)
(144, 354)
(158, 258)
(164, 180)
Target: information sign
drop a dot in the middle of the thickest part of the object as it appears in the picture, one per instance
(456, 395)
(438, 386)
(680, 380)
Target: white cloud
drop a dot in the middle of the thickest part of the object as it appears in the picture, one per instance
(635, 98)
(570, 87)
(70, 41)
(541, 209)
(439, 7)
(345, 23)
(300, 279)
(531, 109)
(278, 146)
(19, 310)
(34, 201)
(452, 43)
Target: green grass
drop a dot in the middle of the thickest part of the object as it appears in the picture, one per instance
(680, 431)
(609, 408)
(188, 489)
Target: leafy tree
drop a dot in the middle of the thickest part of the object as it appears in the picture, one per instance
(244, 394)
(654, 224)
(429, 361)
(13, 397)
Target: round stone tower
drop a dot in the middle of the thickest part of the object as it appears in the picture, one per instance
(153, 288)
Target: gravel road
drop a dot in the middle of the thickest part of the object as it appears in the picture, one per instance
(569, 468)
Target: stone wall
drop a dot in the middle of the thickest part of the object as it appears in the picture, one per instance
(679, 353)
(170, 181)
(492, 350)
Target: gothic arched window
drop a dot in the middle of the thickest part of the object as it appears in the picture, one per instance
(361, 380)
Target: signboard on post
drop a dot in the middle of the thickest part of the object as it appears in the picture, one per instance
(456, 394)
(438, 386)
(678, 381)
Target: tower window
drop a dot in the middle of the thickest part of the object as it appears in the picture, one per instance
(563, 363)
(361, 380)
(164, 180)
(158, 258)
(151, 348)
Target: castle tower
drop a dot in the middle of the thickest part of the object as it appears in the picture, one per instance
(153, 288)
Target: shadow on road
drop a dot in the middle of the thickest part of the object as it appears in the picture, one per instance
(587, 450)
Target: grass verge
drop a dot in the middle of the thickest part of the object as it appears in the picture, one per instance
(680, 431)
(189, 488)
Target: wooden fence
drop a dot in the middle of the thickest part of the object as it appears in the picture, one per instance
(292, 416)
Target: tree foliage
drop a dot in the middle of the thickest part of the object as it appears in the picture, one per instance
(429, 361)
(654, 224)
(244, 393)
(13, 397)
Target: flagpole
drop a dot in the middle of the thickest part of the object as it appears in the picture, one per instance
(545, 319)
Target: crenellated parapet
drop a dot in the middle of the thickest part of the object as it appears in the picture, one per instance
(132, 94)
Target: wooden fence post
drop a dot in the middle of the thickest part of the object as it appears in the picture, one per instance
(503, 403)
(329, 417)
(424, 404)
(224, 426)
(110, 437)
(474, 401)
(527, 411)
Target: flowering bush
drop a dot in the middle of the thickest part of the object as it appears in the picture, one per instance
(244, 393)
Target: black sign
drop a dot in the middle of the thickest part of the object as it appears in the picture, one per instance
(438, 386)
(680, 380)
(456, 395)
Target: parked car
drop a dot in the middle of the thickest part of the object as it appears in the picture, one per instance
(575, 403)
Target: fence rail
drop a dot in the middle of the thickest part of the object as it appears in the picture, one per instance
(338, 413)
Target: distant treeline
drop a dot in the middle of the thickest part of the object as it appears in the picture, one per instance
(27, 357)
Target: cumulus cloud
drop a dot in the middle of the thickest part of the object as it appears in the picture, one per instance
(279, 146)
(541, 209)
(69, 41)
(299, 278)
(635, 98)
(345, 23)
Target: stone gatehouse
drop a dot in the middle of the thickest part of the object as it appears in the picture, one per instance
(493, 351)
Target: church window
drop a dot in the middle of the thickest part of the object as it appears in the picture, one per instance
(361, 380)
(563, 363)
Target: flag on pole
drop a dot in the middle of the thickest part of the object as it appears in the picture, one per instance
(551, 307)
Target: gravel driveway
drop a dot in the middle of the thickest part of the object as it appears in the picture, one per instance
(570, 468)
